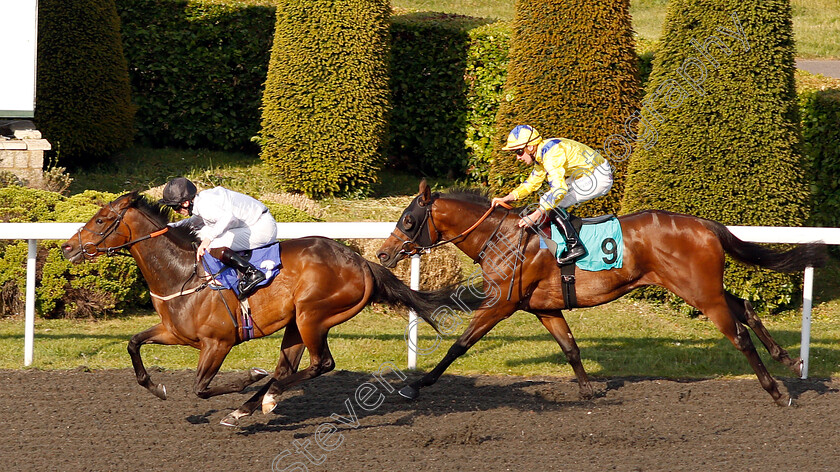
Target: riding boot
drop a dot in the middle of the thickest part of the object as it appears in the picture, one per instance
(250, 276)
(574, 248)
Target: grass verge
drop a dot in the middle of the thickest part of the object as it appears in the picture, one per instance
(623, 338)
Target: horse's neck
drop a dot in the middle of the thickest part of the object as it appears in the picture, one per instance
(478, 240)
(163, 263)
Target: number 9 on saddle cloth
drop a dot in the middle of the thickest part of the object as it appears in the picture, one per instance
(265, 258)
(601, 236)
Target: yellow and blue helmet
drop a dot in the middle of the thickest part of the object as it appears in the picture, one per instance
(521, 136)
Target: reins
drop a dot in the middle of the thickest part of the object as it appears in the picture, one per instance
(113, 250)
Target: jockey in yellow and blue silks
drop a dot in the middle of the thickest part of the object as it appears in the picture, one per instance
(575, 172)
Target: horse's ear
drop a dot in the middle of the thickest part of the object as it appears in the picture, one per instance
(425, 193)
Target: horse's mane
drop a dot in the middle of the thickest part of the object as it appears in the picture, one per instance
(478, 196)
(162, 215)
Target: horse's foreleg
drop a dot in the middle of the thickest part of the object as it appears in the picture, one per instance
(213, 353)
(483, 321)
(743, 310)
(556, 324)
(157, 334)
(292, 351)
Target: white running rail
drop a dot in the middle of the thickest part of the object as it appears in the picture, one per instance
(33, 232)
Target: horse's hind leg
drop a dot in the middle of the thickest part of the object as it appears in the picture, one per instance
(556, 324)
(739, 336)
(320, 362)
(743, 310)
(292, 351)
(157, 334)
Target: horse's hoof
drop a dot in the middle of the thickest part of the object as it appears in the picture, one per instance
(409, 392)
(797, 366)
(785, 401)
(160, 391)
(268, 404)
(230, 420)
(257, 373)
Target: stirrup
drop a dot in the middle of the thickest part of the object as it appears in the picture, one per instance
(571, 254)
(248, 283)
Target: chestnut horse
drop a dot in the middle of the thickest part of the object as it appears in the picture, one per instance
(682, 253)
(322, 284)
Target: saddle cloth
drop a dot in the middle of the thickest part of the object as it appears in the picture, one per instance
(265, 258)
(602, 239)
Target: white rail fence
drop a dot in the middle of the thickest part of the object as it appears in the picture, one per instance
(33, 232)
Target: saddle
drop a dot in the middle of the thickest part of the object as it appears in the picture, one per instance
(266, 258)
(602, 238)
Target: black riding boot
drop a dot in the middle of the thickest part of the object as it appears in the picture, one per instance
(250, 276)
(574, 248)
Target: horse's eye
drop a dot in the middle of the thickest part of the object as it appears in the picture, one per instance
(408, 222)
(99, 221)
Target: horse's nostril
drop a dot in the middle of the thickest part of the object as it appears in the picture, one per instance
(382, 255)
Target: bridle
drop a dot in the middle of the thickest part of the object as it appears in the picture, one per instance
(422, 240)
(90, 250)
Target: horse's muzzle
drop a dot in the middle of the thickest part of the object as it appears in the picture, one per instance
(387, 260)
(72, 254)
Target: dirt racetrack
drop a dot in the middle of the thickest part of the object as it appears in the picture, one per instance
(102, 420)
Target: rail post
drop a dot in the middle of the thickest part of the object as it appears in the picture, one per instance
(807, 303)
(29, 330)
(412, 315)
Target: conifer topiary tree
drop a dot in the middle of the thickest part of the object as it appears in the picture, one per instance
(721, 134)
(326, 95)
(572, 74)
(83, 94)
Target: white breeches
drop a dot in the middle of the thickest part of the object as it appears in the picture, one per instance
(242, 238)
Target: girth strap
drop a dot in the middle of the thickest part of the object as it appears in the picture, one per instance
(567, 276)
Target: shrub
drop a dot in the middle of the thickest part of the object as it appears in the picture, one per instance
(429, 115)
(84, 98)
(819, 104)
(287, 213)
(197, 70)
(103, 287)
(572, 73)
(326, 95)
(726, 145)
(487, 60)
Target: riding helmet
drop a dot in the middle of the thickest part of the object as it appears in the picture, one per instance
(521, 136)
(178, 190)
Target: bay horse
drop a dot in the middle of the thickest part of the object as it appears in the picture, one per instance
(681, 253)
(322, 283)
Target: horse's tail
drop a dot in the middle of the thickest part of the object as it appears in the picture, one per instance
(390, 289)
(794, 260)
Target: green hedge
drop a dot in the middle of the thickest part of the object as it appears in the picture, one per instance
(428, 92)
(725, 146)
(572, 74)
(188, 96)
(819, 105)
(104, 287)
(197, 70)
(326, 95)
(486, 74)
(84, 98)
